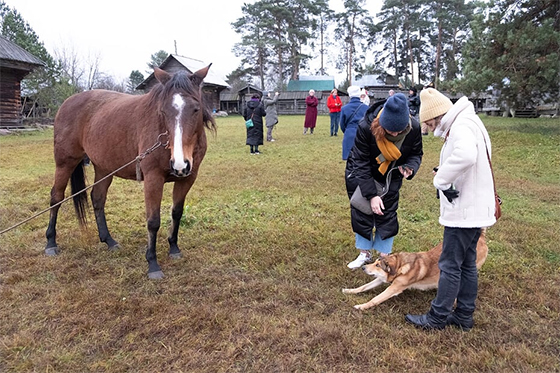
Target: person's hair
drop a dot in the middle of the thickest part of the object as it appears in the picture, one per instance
(376, 129)
(256, 96)
(334, 89)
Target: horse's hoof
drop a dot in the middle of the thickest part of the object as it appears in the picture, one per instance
(52, 251)
(175, 255)
(157, 275)
(115, 247)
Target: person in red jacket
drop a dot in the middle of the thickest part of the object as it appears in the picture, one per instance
(334, 104)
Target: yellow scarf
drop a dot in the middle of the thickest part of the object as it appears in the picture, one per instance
(389, 153)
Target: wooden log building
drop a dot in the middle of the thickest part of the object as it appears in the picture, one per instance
(15, 64)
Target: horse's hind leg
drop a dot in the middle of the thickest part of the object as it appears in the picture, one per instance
(98, 199)
(180, 190)
(61, 177)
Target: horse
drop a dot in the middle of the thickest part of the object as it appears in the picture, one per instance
(112, 128)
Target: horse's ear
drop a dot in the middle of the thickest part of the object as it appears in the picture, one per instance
(199, 75)
(161, 75)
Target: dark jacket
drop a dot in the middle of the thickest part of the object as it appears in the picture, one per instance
(413, 104)
(362, 168)
(257, 112)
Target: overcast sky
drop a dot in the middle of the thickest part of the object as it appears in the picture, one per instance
(125, 33)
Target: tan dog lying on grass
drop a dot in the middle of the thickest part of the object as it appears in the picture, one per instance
(409, 271)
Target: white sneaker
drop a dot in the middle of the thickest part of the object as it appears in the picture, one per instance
(363, 258)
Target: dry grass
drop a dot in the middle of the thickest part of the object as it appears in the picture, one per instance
(265, 242)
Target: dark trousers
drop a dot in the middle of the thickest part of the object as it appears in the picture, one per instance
(458, 277)
(335, 120)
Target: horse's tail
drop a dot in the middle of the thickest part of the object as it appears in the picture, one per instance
(77, 183)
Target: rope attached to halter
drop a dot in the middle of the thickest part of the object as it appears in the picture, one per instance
(138, 159)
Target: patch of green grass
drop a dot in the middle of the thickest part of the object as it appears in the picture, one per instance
(265, 243)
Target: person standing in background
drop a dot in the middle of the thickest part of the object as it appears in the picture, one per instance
(364, 97)
(350, 117)
(310, 112)
(334, 104)
(271, 118)
(255, 111)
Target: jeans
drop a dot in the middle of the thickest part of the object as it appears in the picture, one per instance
(335, 120)
(379, 244)
(458, 277)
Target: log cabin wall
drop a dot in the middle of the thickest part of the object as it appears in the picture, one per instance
(10, 98)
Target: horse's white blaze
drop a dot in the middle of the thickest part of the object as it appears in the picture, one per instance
(178, 156)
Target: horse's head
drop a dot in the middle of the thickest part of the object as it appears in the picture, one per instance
(185, 114)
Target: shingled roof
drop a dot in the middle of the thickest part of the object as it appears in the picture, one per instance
(15, 57)
(174, 61)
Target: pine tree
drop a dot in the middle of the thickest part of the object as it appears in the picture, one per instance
(516, 50)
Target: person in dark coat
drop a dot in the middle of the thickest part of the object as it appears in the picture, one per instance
(414, 106)
(350, 116)
(387, 148)
(310, 112)
(255, 111)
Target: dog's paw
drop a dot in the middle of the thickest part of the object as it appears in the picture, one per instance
(347, 291)
(361, 307)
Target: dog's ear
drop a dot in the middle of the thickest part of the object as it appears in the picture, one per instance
(386, 266)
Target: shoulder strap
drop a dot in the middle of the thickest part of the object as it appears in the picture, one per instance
(355, 111)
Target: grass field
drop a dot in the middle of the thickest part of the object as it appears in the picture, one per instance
(266, 240)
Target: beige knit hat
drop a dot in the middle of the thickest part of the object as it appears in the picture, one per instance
(433, 104)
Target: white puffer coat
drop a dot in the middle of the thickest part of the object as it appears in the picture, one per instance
(464, 163)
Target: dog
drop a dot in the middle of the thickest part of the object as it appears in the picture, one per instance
(409, 271)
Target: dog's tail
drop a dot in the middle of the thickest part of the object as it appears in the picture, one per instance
(481, 249)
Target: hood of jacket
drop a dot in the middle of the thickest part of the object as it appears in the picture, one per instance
(253, 104)
(463, 105)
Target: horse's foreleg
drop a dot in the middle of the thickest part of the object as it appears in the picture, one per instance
(98, 199)
(153, 191)
(180, 190)
(61, 177)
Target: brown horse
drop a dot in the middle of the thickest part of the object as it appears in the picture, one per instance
(112, 129)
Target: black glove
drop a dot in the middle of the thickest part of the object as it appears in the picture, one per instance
(451, 193)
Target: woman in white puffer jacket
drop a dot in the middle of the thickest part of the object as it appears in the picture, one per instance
(466, 191)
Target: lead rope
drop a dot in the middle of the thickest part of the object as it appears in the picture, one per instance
(138, 159)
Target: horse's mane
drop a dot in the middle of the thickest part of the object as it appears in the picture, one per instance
(181, 81)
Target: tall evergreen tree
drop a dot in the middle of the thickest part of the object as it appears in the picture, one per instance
(156, 59)
(399, 28)
(253, 46)
(353, 26)
(516, 50)
(451, 19)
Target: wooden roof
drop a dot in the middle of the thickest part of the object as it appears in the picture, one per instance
(15, 57)
(191, 65)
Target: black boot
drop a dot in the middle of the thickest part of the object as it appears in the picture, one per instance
(421, 321)
(463, 323)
